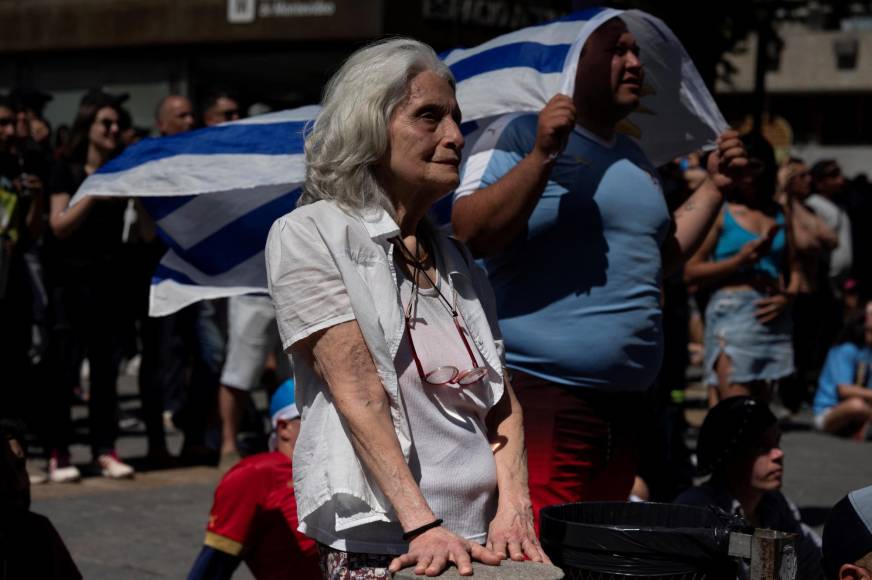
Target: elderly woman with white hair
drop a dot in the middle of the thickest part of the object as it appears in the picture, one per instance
(411, 446)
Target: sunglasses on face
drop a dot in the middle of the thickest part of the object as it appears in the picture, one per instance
(230, 114)
(6, 121)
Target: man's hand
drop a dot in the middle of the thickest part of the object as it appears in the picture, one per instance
(431, 552)
(556, 121)
(511, 534)
(728, 161)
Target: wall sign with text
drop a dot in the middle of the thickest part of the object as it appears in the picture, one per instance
(246, 11)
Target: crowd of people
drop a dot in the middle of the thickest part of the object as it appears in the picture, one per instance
(449, 386)
(74, 298)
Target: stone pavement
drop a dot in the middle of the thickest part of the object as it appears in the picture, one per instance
(152, 527)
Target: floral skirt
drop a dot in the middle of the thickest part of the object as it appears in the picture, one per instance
(339, 565)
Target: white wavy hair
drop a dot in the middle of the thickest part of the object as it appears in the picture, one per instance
(350, 134)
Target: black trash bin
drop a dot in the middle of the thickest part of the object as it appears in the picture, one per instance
(614, 540)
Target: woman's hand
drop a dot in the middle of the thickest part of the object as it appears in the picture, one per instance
(771, 307)
(512, 535)
(751, 252)
(431, 552)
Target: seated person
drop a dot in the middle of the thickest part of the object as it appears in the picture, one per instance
(30, 547)
(739, 446)
(254, 515)
(847, 549)
(843, 403)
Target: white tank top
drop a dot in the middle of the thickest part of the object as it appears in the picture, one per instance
(451, 457)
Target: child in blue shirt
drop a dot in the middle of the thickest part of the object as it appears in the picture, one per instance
(843, 402)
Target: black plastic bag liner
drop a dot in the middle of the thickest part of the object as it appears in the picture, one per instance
(639, 539)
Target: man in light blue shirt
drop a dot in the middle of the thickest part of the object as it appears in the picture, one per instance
(843, 402)
(572, 222)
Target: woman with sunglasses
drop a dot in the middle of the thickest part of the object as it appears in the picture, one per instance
(84, 266)
(748, 263)
(411, 445)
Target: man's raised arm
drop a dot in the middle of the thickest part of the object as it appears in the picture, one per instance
(695, 217)
(489, 218)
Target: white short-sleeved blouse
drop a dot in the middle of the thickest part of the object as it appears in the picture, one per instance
(326, 266)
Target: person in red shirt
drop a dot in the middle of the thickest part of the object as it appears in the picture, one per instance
(254, 514)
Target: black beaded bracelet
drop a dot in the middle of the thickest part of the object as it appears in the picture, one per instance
(412, 534)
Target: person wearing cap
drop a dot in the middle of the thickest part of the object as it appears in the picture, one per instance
(843, 402)
(847, 543)
(739, 446)
(254, 514)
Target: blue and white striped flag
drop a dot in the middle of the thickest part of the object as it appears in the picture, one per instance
(252, 169)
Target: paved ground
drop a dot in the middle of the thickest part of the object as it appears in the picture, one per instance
(149, 527)
(152, 527)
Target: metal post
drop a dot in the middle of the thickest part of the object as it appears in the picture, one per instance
(772, 553)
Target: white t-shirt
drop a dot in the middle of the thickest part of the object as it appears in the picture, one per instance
(841, 256)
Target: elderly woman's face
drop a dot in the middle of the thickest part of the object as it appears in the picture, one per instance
(423, 156)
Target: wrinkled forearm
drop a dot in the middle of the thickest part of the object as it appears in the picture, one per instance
(375, 441)
(345, 363)
(506, 434)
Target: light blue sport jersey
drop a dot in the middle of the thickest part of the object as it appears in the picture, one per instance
(578, 293)
(841, 368)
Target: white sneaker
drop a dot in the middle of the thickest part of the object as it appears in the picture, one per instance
(67, 474)
(113, 468)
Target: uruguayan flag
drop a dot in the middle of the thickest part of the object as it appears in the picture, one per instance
(677, 114)
(252, 169)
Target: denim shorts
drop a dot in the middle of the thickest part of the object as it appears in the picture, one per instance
(758, 352)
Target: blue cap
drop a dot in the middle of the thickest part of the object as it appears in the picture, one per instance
(282, 404)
